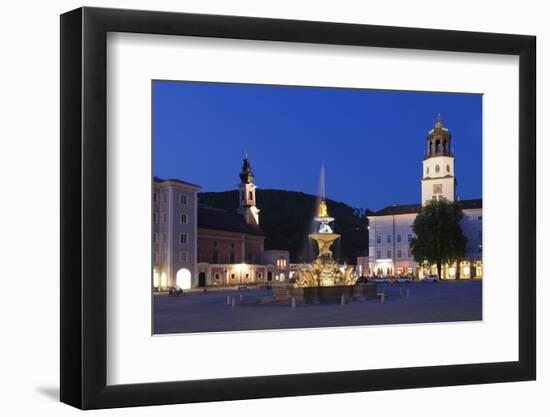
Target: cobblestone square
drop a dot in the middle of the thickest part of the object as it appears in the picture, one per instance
(209, 312)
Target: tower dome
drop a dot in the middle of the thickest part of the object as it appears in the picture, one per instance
(438, 140)
(246, 175)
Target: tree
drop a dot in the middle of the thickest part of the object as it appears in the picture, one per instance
(439, 238)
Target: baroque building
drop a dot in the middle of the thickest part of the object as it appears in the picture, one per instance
(195, 245)
(390, 229)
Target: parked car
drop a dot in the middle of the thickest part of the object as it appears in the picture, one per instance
(177, 291)
(382, 279)
(430, 278)
(403, 279)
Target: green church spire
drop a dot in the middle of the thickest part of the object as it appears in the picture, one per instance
(246, 174)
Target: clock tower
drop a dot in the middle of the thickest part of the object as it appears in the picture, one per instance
(438, 168)
(247, 195)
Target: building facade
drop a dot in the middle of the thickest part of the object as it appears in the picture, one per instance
(390, 229)
(174, 234)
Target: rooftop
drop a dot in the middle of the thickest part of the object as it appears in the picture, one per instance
(161, 180)
(415, 208)
(218, 219)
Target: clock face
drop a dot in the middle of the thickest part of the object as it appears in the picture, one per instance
(437, 168)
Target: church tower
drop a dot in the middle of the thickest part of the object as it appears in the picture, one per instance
(438, 177)
(247, 195)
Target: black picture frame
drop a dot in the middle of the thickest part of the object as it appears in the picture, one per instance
(84, 207)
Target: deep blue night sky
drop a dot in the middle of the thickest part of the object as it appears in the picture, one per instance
(371, 141)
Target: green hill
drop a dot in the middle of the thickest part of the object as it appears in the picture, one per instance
(286, 218)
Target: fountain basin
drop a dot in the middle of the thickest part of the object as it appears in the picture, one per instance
(324, 294)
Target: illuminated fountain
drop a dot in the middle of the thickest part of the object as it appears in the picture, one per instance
(324, 280)
(325, 271)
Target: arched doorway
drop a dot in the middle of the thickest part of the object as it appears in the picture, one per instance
(270, 276)
(202, 279)
(183, 279)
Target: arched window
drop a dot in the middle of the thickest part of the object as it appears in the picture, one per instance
(430, 149)
(437, 146)
(445, 146)
(250, 195)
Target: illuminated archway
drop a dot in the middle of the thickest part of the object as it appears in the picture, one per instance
(156, 278)
(183, 279)
(163, 280)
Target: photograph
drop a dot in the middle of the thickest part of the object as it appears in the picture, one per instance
(289, 207)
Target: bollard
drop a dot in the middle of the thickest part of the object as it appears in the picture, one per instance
(293, 302)
(407, 292)
(342, 300)
(228, 300)
(240, 297)
(382, 296)
(232, 301)
(400, 291)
